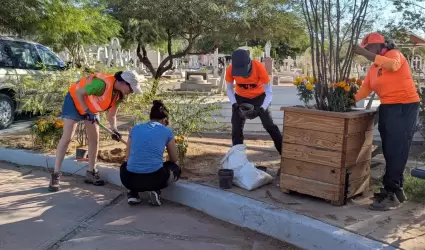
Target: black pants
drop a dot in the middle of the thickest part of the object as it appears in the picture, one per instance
(397, 124)
(155, 181)
(238, 122)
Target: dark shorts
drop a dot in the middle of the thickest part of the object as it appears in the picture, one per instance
(69, 111)
(160, 179)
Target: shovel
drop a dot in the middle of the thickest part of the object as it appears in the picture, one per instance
(107, 130)
(110, 131)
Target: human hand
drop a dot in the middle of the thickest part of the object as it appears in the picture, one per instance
(90, 116)
(358, 50)
(116, 136)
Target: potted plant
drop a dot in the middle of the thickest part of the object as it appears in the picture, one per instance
(327, 149)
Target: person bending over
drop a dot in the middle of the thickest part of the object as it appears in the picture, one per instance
(145, 170)
(252, 87)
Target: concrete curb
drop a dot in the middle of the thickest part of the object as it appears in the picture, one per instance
(285, 225)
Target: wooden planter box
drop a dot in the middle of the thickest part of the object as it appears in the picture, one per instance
(326, 154)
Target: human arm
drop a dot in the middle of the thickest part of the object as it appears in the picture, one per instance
(172, 151)
(391, 61)
(364, 90)
(269, 96)
(265, 81)
(230, 93)
(229, 85)
(112, 117)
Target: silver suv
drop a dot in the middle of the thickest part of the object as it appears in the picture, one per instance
(20, 58)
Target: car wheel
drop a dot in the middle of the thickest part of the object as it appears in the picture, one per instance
(7, 111)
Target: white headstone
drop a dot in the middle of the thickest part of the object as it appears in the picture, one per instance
(267, 48)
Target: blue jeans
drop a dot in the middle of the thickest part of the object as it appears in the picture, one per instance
(69, 111)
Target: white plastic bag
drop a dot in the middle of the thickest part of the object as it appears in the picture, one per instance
(246, 175)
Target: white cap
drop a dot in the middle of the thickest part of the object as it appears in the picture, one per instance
(133, 79)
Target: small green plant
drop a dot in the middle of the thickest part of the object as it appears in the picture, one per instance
(46, 132)
(188, 113)
(414, 188)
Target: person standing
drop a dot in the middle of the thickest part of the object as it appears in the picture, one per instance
(391, 79)
(252, 87)
(85, 100)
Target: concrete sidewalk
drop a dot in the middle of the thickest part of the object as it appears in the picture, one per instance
(83, 216)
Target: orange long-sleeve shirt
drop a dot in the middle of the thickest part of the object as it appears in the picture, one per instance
(391, 79)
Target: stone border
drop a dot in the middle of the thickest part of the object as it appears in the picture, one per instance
(282, 224)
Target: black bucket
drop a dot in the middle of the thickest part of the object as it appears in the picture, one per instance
(81, 153)
(225, 177)
(262, 168)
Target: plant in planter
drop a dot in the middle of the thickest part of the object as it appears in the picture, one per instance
(326, 151)
(305, 90)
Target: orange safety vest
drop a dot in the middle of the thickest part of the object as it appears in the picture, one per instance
(95, 104)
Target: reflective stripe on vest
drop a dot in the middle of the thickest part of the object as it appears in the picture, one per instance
(95, 104)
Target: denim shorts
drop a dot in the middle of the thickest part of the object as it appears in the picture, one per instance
(69, 111)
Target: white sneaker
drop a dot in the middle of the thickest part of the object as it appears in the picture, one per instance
(154, 198)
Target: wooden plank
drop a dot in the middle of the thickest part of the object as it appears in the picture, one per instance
(314, 122)
(351, 114)
(359, 170)
(311, 171)
(311, 187)
(358, 186)
(360, 124)
(360, 139)
(358, 155)
(313, 138)
(311, 154)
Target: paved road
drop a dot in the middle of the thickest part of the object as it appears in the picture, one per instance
(82, 216)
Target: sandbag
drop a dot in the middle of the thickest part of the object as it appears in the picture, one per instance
(246, 175)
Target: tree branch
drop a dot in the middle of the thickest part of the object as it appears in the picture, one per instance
(144, 58)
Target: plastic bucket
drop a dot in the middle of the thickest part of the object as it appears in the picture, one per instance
(225, 177)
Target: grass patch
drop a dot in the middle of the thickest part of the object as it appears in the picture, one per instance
(414, 188)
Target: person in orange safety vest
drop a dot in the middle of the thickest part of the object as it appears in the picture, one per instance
(85, 100)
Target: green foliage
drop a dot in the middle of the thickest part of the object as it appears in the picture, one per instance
(46, 132)
(257, 51)
(412, 14)
(188, 113)
(20, 16)
(414, 188)
(44, 92)
(71, 26)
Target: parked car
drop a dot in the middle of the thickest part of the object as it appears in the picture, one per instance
(18, 58)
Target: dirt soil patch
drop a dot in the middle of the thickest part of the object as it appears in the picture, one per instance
(205, 153)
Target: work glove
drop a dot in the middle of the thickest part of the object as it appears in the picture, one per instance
(116, 136)
(90, 116)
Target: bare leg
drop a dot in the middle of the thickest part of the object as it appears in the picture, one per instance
(69, 127)
(93, 140)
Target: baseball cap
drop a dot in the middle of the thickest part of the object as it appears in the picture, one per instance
(132, 78)
(241, 63)
(372, 38)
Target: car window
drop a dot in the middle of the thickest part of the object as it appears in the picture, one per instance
(5, 58)
(49, 58)
(24, 55)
